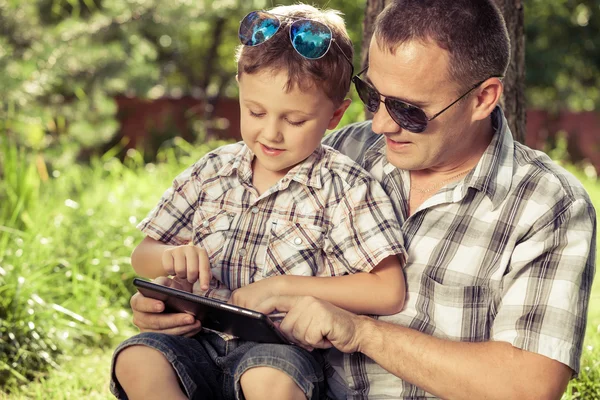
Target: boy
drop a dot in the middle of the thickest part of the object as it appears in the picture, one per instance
(275, 214)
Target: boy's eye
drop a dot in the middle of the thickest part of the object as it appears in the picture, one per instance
(257, 115)
(295, 123)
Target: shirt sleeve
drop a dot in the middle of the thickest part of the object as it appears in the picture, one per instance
(546, 293)
(171, 220)
(365, 230)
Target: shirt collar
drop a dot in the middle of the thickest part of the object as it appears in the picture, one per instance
(305, 173)
(493, 173)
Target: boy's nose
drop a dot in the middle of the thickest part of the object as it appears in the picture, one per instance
(272, 132)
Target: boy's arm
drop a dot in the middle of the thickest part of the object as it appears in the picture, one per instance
(381, 292)
(146, 258)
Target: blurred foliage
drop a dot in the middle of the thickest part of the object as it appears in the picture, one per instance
(562, 54)
(63, 61)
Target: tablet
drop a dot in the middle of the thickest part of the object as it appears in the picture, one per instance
(214, 314)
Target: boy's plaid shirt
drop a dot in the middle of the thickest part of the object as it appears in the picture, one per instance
(506, 254)
(326, 217)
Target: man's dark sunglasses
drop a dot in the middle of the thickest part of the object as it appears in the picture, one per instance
(406, 115)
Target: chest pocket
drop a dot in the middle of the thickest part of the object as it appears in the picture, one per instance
(294, 249)
(459, 313)
(211, 232)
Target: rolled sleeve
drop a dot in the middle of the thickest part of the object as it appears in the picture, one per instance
(366, 229)
(171, 220)
(547, 290)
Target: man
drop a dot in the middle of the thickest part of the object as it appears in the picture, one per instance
(500, 240)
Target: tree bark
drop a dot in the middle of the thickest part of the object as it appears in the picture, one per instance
(513, 101)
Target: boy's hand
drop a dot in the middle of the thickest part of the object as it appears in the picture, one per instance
(188, 262)
(148, 315)
(250, 296)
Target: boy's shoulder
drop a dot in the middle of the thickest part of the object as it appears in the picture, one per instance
(339, 167)
(216, 160)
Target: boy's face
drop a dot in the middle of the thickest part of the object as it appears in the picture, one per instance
(283, 128)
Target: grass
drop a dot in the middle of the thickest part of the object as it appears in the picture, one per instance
(65, 274)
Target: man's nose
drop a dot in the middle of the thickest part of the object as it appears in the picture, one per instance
(383, 122)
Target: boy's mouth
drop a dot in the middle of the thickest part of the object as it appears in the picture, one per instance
(272, 151)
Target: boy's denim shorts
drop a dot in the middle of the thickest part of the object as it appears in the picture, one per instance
(209, 367)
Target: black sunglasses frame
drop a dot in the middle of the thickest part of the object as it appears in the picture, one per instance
(388, 102)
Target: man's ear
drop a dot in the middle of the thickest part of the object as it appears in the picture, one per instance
(237, 78)
(338, 114)
(488, 96)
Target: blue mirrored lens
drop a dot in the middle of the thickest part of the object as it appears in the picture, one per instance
(257, 27)
(310, 38)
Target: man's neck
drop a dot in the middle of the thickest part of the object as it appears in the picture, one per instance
(483, 132)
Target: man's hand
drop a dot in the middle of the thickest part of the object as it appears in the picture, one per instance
(188, 262)
(313, 323)
(148, 316)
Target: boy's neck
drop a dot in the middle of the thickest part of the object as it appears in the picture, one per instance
(263, 179)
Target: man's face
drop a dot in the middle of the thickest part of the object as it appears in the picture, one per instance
(282, 128)
(418, 74)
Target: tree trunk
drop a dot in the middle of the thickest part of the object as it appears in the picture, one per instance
(513, 101)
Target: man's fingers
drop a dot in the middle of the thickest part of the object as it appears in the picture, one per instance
(187, 330)
(161, 322)
(141, 303)
(204, 267)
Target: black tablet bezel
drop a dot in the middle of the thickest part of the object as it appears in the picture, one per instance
(214, 314)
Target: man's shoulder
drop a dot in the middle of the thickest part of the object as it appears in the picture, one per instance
(338, 166)
(534, 167)
(353, 140)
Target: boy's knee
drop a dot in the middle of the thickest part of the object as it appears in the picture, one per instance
(130, 362)
(267, 382)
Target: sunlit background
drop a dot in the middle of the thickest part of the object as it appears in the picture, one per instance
(103, 102)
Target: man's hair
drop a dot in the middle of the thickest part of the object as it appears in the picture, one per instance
(472, 31)
(331, 72)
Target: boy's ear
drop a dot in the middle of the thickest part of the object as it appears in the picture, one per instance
(338, 114)
(237, 78)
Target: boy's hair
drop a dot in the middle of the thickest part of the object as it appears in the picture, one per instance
(472, 31)
(330, 72)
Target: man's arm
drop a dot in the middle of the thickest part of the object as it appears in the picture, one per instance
(459, 370)
(450, 370)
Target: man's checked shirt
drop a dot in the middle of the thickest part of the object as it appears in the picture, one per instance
(506, 254)
(326, 217)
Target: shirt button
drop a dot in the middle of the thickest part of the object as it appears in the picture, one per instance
(242, 252)
(254, 210)
(205, 224)
(298, 241)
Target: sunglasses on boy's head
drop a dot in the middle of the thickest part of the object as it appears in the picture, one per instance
(406, 115)
(311, 39)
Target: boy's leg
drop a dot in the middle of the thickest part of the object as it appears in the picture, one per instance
(264, 382)
(279, 371)
(145, 373)
(191, 361)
